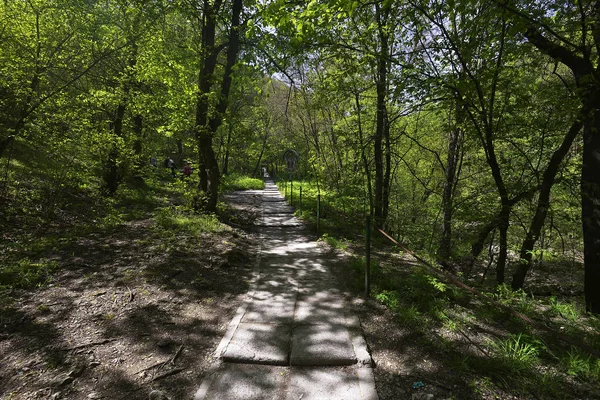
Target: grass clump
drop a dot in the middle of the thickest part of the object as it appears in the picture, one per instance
(568, 311)
(516, 299)
(179, 219)
(230, 183)
(336, 243)
(26, 274)
(517, 353)
(581, 366)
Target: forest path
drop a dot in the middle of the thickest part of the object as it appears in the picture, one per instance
(293, 337)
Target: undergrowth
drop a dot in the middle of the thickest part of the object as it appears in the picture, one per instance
(33, 234)
(516, 359)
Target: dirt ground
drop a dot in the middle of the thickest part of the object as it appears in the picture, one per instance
(125, 317)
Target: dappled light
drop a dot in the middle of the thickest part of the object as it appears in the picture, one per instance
(299, 199)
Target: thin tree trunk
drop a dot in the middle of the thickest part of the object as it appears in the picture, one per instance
(208, 63)
(388, 169)
(503, 225)
(381, 84)
(227, 147)
(363, 155)
(138, 144)
(477, 246)
(444, 250)
(262, 151)
(112, 172)
(543, 204)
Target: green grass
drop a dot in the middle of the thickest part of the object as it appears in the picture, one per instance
(516, 299)
(336, 243)
(518, 361)
(232, 182)
(568, 311)
(26, 273)
(581, 366)
(341, 213)
(517, 353)
(180, 219)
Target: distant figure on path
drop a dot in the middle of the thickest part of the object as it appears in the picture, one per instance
(171, 164)
(187, 170)
(153, 161)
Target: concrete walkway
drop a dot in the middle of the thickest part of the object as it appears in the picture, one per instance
(293, 337)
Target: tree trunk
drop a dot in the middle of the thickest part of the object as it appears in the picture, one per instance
(138, 144)
(262, 151)
(5, 144)
(477, 246)
(208, 63)
(227, 146)
(503, 224)
(543, 204)
(505, 204)
(113, 174)
(363, 156)
(112, 171)
(207, 124)
(590, 204)
(381, 83)
(388, 169)
(444, 250)
(210, 171)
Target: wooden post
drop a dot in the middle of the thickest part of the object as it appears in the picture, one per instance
(318, 212)
(368, 258)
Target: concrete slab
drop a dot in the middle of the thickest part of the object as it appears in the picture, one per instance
(273, 197)
(326, 383)
(277, 207)
(318, 285)
(303, 252)
(316, 277)
(296, 235)
(270, 243)
(278, 220)
(259, 344)
(322, 345)
(320, 308)
(277, 283)
(269, 262)
(244, 382)
(278, 309)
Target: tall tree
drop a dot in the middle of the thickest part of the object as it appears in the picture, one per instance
(210, 108)
(579, 50)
